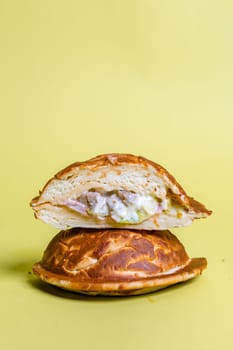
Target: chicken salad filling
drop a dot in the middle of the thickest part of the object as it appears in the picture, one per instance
(123, 207)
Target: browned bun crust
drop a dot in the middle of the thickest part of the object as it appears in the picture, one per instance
(115, 261)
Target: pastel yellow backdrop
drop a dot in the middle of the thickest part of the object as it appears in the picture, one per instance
(80, 78)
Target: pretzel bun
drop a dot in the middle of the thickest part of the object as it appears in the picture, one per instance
(116, 262)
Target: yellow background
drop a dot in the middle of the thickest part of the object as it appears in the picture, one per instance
(79, 78)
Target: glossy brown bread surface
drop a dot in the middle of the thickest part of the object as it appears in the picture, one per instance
(116, 261)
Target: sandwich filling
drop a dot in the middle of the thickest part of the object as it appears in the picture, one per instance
(123, 207)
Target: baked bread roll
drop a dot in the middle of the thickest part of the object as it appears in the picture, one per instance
(116, 190)
(116, 262)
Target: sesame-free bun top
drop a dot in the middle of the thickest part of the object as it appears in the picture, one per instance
(116, 190)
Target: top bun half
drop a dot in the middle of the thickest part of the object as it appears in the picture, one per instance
(119, 191)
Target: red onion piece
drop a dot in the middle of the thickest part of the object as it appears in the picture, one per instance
(77, 206)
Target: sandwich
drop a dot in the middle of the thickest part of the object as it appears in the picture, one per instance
(114, 212)
(116, 190)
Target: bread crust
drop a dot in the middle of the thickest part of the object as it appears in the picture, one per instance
(149, 285)
(116, 261)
